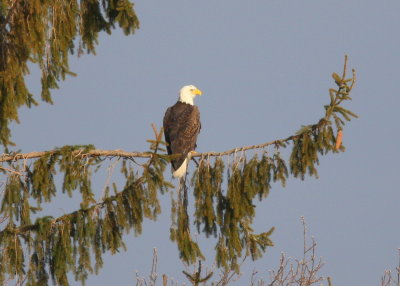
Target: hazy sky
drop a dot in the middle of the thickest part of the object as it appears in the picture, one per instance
(264, 68)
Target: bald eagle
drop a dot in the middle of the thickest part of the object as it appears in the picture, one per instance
(181, 127)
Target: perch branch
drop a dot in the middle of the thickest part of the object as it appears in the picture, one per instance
(125, 154)
(91, 153)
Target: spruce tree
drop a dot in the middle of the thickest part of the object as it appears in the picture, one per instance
(223, 187)
(45, 33)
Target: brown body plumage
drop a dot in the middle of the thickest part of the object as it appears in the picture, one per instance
(181, 128)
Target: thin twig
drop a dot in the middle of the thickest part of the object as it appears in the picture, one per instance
(301, 272)
(11, 171)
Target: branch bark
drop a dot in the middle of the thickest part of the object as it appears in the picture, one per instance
(126, 154)
(92, 153)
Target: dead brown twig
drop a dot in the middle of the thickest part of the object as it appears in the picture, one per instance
(387, 278)
(292, 271)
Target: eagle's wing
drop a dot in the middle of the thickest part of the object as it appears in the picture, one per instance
(181, 127)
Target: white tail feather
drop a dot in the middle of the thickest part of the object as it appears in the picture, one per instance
(181, 170)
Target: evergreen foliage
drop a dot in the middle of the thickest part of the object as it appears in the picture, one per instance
(60, 245)
(45, 32)
(225, 186)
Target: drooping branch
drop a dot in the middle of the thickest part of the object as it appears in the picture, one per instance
(98, 226)
(152, 168)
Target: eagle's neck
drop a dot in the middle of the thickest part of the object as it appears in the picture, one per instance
(188, 99)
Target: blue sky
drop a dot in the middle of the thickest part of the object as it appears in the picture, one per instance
(264, 68)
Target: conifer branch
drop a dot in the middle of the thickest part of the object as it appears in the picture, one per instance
(66, 218)
(129, 155)
(337, 97)
(78, 153)
(223, 212)
(95, 153)
(44, 33)
(13, 157)
(94, 208)
(278, 142)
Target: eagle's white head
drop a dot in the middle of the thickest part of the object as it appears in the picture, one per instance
(188, 93)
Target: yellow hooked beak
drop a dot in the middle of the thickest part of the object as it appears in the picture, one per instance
(196, 91)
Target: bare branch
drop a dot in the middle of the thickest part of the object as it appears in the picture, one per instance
(128, 155)
(303, 272)
(388, 278)
(91, 153)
